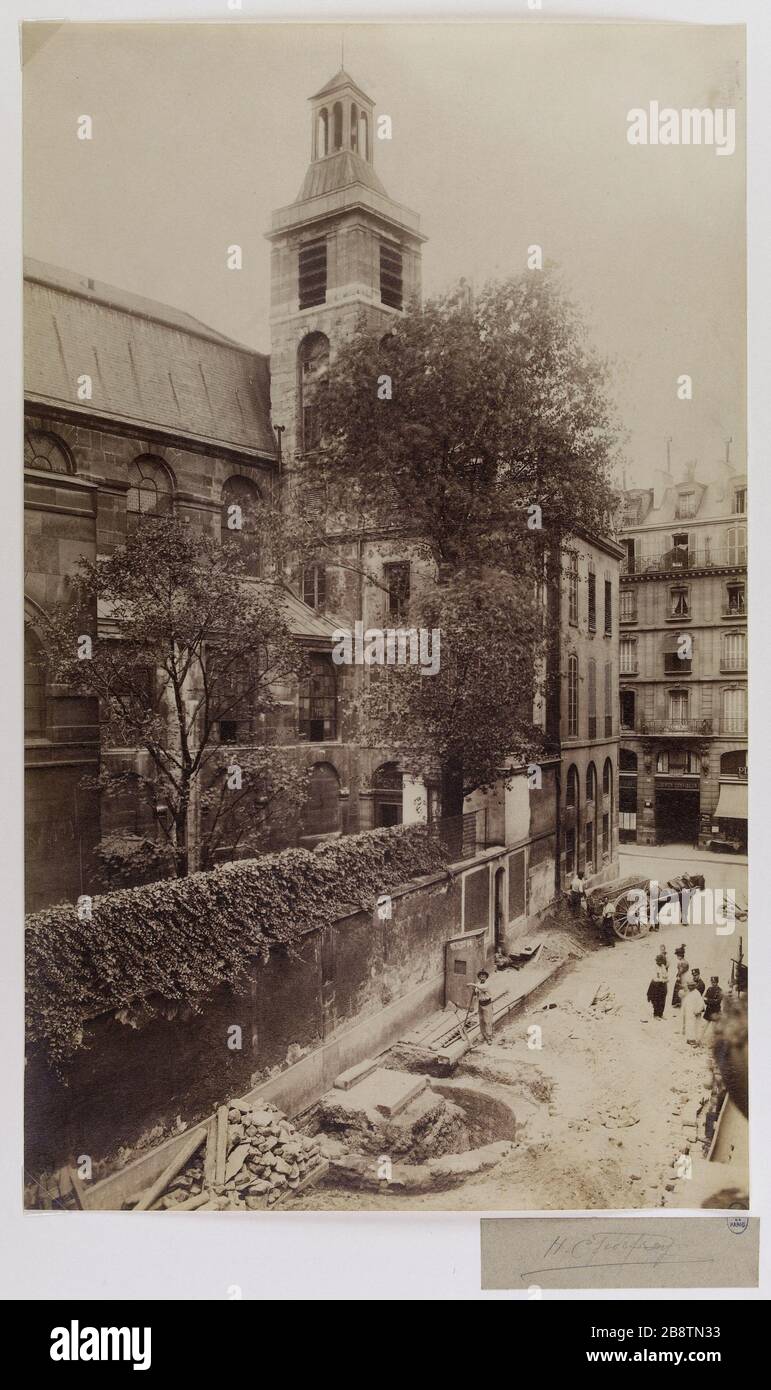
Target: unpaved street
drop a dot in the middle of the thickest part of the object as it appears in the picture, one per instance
(602, 1102)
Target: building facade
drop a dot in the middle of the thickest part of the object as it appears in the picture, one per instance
(589, 621)
(134, 408)
(683, 659)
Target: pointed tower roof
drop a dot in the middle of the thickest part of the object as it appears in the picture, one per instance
(340, 79)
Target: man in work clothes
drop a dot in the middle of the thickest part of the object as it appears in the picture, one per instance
(577, 893)
(484, 1005)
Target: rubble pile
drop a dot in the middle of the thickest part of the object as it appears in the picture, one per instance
(253, 1158)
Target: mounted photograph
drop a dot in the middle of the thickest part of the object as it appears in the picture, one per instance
(385, 617)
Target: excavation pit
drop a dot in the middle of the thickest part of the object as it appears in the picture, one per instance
(441, 1135)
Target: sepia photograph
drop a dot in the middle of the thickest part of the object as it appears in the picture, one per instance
(385, 617)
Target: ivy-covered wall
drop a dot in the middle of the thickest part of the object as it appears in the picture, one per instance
(132, 1013)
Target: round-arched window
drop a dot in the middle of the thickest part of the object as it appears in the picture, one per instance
(151, 488)
(46, 452)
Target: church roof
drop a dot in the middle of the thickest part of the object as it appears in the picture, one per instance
(340, 79)
(337, 171)
(151, 365)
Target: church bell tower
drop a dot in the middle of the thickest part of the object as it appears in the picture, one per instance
(341, 247)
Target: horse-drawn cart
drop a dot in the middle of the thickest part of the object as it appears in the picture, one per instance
(631, 913)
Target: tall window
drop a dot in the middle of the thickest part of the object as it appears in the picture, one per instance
(573, 697)
(315, 586)
(571, 793)
(151, 489)
(627, 650)
(735, 599)
(391, 283)
(313, 364)
(608, 624)
(734, 711)
(736, 545)
(592, 581)
(686, 505)
(591, 783)
(627, 702)
(734, 651)
(679, 709)
(629, 605)
(740, 502)
(608, 699)
(396, 577)
(318, 701)
(592, 683)
(240, 520)
(679, 602)
(312, 286)
(628, 563)
(573, 589)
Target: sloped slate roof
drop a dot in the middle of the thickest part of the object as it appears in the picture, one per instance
(306, 622)
(150, 364)
(338, 171)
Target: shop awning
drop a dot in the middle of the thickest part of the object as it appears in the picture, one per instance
(732, 802)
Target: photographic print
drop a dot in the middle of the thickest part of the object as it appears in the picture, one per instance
(385, 617)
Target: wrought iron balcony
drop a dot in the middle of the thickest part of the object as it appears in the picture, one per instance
(678, 560)
(674, 725)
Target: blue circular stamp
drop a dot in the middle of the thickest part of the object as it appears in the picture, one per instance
(738, 1224)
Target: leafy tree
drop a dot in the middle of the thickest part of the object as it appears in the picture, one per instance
(480, 427)
(191, 643)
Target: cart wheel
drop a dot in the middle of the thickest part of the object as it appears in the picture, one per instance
(624, 929)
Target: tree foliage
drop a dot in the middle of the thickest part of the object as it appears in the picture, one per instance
(180, 641)
(481, 430)
(164, 948)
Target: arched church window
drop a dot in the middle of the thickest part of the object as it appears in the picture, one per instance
(354, 127)
(313, 365)
(151, 489)
(337, 126)
(240, 520)
(322, 134)
(363, 135)
(46, 452)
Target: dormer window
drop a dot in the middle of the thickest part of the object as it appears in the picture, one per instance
(686, 505)
(740, 502)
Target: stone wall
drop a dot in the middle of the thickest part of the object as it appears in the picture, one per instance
(352, 989)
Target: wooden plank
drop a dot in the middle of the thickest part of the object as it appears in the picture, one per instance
(309, 1180)
(210, 1155)
(191, 1203)
(169, 1173)
(222, 1146)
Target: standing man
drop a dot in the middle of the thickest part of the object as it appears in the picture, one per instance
(577, 893)
(484, 1006)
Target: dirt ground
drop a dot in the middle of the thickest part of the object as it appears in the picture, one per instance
(602, 1102)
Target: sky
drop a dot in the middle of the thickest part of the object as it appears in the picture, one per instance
(504, 136)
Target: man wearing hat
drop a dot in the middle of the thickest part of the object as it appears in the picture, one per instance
(484, 1005)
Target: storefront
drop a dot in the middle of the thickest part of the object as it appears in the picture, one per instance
(730, 814)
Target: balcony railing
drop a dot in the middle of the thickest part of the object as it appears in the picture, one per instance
(678, 560)
(674, 725)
